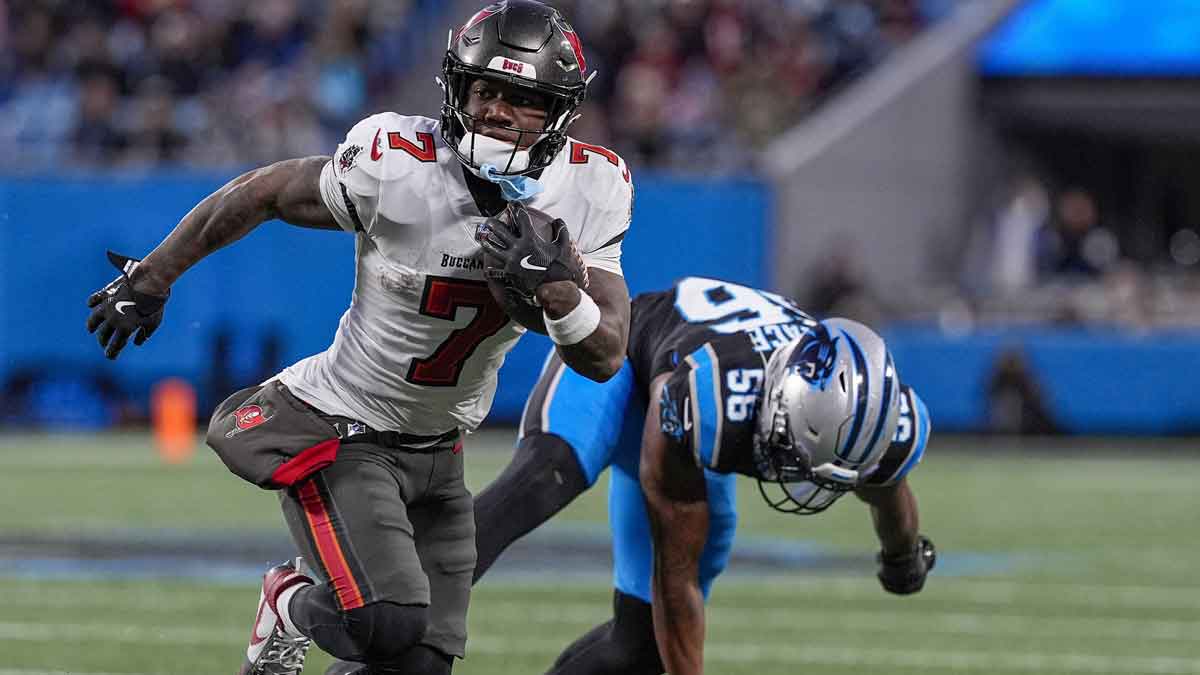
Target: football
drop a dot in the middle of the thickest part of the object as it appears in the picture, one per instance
(518, 307)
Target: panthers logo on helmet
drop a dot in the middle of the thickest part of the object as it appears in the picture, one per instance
(815, 357)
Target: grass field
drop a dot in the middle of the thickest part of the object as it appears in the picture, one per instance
(1071, 556)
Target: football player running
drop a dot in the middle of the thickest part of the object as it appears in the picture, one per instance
(363, 440)
(721, 380)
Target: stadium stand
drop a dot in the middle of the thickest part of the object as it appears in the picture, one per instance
(213, 83)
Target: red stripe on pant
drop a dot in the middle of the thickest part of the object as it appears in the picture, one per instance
(333, 559)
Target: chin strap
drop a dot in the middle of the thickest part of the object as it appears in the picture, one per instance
(512, 188)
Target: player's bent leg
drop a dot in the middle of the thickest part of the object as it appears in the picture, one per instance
(544, 477)
(351, 521)
(570, 428)
(633, 558)
(722, 525)
(624, 645)
(380, 632)
(444, 529)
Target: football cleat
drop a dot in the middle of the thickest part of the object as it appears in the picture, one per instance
(274, 650)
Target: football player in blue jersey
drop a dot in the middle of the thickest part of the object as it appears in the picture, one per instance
(721, 380)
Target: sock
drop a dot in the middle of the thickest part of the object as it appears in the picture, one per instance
(283, 604)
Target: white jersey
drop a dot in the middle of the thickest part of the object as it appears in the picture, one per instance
(418, 350)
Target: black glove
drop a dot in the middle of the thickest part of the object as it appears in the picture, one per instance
(521, 258)
(905, 573)
(118, 310)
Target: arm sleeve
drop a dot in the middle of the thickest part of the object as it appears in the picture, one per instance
(690, 408)
(908, 445)
(350, 181)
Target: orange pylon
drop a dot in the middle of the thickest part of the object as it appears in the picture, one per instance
(173, 414)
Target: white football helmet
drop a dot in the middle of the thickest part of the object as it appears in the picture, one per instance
(828, 413)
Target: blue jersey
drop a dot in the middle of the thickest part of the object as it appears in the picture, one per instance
(715, 338)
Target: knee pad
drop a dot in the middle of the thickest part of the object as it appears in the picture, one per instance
(382, 631)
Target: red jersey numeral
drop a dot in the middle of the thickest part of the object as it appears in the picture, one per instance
(580, 150)
(442, 299)
(425, 152)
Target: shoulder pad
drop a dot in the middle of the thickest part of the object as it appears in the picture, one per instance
(908, 445)
(604, 180)
(386, 146)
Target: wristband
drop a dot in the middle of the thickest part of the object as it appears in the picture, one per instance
(576, 325)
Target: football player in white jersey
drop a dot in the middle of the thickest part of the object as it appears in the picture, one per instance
(362, 440)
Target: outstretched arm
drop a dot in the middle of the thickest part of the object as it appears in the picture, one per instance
(599, 355)
(677, 503)
(289, 190)
(894, 512)
(132, 304)
(905, 557)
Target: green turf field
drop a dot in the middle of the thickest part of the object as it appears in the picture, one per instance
(1072, 556)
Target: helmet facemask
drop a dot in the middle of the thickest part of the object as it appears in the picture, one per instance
(828, 413)
(787, 480)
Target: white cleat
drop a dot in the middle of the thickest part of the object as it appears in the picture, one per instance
(274, 650)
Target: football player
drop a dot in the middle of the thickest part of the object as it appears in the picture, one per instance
(363, 439)
(721, 380)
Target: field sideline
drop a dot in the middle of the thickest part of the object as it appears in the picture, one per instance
(1064, 557)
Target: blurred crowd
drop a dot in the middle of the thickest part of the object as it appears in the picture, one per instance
(690, 84)
(1056, 253)
(102, 83)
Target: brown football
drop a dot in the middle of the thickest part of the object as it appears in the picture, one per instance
(517, 307)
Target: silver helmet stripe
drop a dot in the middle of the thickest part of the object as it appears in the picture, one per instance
(862, 389)
(884, 407)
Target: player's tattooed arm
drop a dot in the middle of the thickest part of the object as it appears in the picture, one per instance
(289, 190)
(599, 355)
(677, 503)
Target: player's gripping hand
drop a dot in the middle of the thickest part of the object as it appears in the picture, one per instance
(905, 573)
(524, 258)
(118, 310)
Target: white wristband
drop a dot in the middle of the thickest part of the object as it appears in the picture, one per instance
(577, 324)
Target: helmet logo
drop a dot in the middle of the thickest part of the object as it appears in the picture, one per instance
(815, 358)
(507, 65)
(572, 39)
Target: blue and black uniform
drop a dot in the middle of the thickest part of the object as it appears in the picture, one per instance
(714, 338)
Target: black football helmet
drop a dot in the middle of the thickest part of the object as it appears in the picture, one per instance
(524, 43)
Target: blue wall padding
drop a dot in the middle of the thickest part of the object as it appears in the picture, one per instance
(53, 233)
